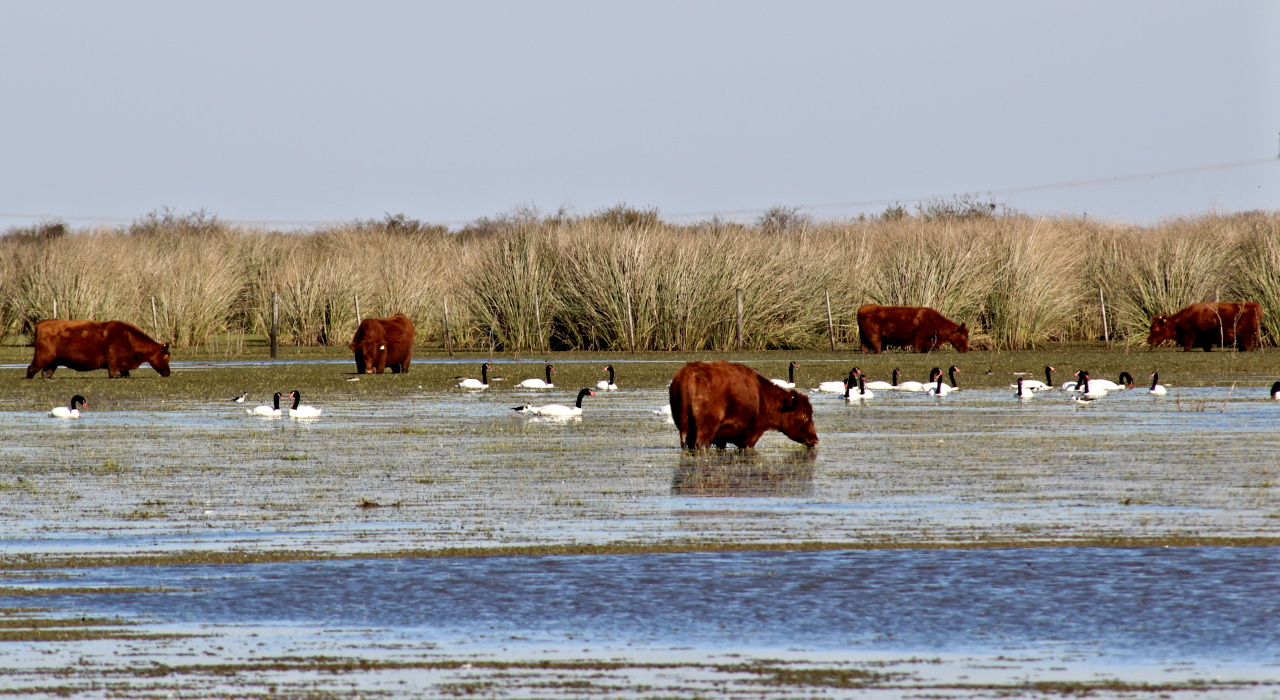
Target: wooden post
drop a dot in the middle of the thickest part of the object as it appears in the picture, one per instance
(448, 341)
(275, 322)
(55, 308)
(359, 318)
(537, 318)
(155, 322)
(631, 329)
(831, 328)
(1222, 332)
(1106, 335)
(739, 319)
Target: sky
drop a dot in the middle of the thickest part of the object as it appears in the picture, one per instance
(311, 112)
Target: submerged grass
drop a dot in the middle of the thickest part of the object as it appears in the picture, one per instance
(596, 282)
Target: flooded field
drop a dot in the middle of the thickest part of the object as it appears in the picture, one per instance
(959, 546)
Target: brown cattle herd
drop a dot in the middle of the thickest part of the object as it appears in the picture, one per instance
(711, 403)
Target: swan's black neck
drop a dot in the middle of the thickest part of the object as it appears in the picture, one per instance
(791, 374)
(610, 368)
(1155, 379)
(297, 399)
(1275, 389)
(951, 374)
(581, 394)
(895, 376)
(848, 385)
(484, 373)
(275, 401)
(1048, 375)
(862, 385)
(549, 370)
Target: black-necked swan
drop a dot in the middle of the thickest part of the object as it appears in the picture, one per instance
(1023, 392)
(1036, 384)
(481, 383)
(301, 411)
(1126, 382)
(272, 411)
(538, 383)
(883, 386)
(940, 388)
(1159, 390)
(241, 398)
(1074, 384)
(1091, 390)
(72, 412)
(603, 385)
(861, 395)
(906, 386)
(556, 410)
(1275, 391)
(837, 387)
(790, 381)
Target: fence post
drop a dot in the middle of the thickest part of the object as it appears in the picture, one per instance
(55, 308)
(831, 328)
(1106, 335)
(631, 329)
(359, 318)
(275, 322)
(1222, 332)
(155, 322)
(537, 318)
(739, 319)
(448, 341)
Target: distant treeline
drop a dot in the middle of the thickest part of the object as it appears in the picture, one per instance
(1017, 280)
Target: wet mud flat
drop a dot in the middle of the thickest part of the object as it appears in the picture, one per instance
(1157, 622)
(403, 473)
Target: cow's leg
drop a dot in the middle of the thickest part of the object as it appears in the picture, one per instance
(706, 428)
(721, 444)
(124, 373)
(404, 366)
(47, 372)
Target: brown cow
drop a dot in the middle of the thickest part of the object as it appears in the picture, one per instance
(720, 403)
(919, 327)
(383, 342)
(1225, 323)
(88, 345)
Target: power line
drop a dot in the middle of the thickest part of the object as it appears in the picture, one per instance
(730, 212)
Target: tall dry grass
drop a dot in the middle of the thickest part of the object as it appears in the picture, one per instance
(1018, 281)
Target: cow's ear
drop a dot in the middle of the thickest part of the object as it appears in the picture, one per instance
(351, 346)
(789, 404)
(165, 349)
(964, 328)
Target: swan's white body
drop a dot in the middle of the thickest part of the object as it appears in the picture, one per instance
(790, 381)
(64, 412)
(539, 383)
(1103, 384)
(1025, 393)
(1159, 389)
(555, 410)
(663, 411)
(265, 411)
(1036, 384)
(1089, 391)
(879, 386)
(861, 395)
(940, 388)
(830, 388)
(910, 386)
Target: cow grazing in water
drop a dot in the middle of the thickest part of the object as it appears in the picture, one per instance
(918, 327)
(717, 403)
(383, 342)
(1224, 324)
(88, 345)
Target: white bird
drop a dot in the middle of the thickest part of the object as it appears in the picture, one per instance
(1091, 390)
(1024, 393)
(481, 383)
(906, 386)
(241, 398)
(538, 383)
(1084, 400)
(666, 410)
(790, 381)
(1159, 390)
(1275, 391)
(603, 385)
(883, 386)
(862, 394)
(1036, 384)
(1126, 382)
(272, 411)
(837, 387)
(1074, 384)
(556, 410)
(939, 388)
(301, 411)
(73, 412)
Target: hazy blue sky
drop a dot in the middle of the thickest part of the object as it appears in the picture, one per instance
(316, 111)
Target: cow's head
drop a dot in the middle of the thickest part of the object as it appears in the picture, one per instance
(795, 419)
(368, 350)
(960, 338)
(160, 360)
(1161, 330)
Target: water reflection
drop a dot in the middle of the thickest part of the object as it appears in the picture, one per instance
(744, 473)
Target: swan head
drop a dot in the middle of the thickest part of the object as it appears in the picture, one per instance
(78, 400)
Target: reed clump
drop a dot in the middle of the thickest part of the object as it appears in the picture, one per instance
(596, 281)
